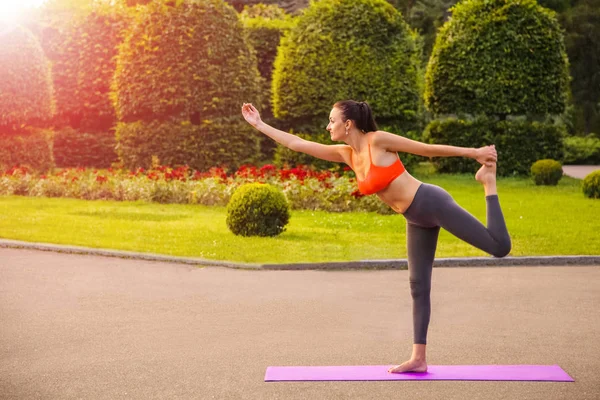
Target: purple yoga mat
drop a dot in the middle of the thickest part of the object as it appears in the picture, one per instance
(434, 373)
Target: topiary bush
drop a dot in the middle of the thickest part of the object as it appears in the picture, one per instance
(25, 82)
(31, 148)
(257, 209)
(187, 60)
(265, 25)
(591, 185)
(101, 33)
(546, 172)
(80, 149)
(498, 57)
(582, 150)
(225, 142)
(519, 143)
(182, 73)
(347, 49)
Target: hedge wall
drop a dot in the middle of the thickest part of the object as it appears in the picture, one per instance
(225, 142)
(519, 143)
(25, 82)
(73, 148)
(265, 25)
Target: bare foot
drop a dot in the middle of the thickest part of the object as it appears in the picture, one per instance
(486, 175)
(409, 366)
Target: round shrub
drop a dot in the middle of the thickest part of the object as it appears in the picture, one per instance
(546, 172)
(498, 57)
(25, 81)
(519, 143)
(591, 185)
(257, 209)
(347, 49)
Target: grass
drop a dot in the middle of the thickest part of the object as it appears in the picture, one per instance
(541, 220)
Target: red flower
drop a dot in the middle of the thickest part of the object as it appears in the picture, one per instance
(101, 179)
(357, 194)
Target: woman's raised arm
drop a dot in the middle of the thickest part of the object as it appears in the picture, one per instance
(390, 142)
(335, 153)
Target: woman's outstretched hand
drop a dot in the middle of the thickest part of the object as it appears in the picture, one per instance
(251, 114)
(486, 155)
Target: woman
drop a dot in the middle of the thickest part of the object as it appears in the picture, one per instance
(372, 154)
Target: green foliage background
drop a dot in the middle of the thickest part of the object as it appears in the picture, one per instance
(498, 57)
(347, 49)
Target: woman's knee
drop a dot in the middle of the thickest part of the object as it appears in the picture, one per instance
(420, 290)
(503, 248)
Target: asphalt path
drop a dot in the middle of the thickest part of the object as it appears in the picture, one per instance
(89, 327)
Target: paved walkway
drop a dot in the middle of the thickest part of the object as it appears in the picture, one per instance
(76, 326)
(579, 171)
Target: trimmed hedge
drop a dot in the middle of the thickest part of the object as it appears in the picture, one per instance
(25, 81)
(582, 150)
(83, 50)
(519, 143)
(224, 142)
(101, 33)
(80, 149)
(182, 74)
(347, 49)
(265, 25)
(498, 57)
(188, 61)
(32, 148)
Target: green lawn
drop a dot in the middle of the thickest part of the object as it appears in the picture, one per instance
(541, 220)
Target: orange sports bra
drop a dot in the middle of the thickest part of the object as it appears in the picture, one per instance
(379, 178)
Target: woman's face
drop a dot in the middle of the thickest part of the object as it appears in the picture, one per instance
(336, 126)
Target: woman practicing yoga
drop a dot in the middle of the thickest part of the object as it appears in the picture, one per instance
(372, 154)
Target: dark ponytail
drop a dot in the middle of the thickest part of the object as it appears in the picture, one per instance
(359, 112)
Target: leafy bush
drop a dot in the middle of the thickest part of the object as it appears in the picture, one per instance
(265, 25)
(546, 172)
(25, 83)
(519, 143)
(582, 150)
(225, 142)
(347, 49)
(591, 185)
(76, 149)
(182, 74)
(82, 50)
(185, 60)
(257, 209)
(32, 148)
(498, 57)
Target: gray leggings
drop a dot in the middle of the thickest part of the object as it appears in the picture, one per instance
(433, 208)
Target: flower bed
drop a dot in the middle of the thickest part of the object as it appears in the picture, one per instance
(305, 188)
